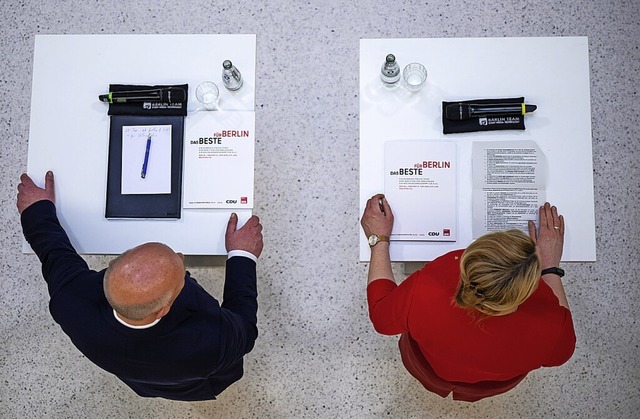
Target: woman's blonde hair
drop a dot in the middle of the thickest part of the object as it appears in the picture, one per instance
(498, 272)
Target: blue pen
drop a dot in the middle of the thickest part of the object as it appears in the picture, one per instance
(146, 158)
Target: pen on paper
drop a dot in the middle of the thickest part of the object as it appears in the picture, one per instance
(143, 174)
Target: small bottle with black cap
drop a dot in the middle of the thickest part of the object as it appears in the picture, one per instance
(390, 71)
(231, 76)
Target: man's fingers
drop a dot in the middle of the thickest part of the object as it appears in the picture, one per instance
(26, 180)
(49, 181)
(233, 223)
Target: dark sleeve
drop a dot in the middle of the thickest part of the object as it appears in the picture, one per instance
(60, 261)
(239, 310)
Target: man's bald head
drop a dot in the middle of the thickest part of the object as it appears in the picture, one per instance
(144, 281)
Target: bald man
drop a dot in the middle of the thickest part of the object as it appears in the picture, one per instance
(144, 318)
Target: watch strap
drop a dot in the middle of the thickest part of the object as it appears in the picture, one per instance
(378, 238)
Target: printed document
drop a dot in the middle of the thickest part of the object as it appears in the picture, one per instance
(420, 185)
(509, 185)
(219, 160)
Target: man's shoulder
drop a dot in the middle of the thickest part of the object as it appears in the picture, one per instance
(195, 298)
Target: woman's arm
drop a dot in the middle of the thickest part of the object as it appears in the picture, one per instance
(549, 241)
(378, 219)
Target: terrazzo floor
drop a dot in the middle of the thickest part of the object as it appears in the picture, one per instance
(317, 355)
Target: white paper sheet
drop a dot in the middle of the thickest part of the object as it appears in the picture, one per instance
(219, 160)
(420, 185)
(157, 178)
(509, 185)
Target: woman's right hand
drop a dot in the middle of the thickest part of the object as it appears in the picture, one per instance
(550, 236)
(377, 217)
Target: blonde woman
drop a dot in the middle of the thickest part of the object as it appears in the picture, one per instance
(474, 322)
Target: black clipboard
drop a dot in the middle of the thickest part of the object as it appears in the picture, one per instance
(144, 206)
(157, 206)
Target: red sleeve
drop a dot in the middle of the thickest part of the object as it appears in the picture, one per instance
(566, 343)
(389, 304)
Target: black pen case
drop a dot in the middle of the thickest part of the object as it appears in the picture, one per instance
(148, 108)
(492, 123)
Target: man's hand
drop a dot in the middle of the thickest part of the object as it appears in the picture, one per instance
(29, 193)
(247, 238)
(377, 217)
(550, 237)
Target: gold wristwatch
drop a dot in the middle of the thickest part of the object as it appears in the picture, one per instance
(376, 238)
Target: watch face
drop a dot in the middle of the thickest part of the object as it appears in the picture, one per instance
(373, 239)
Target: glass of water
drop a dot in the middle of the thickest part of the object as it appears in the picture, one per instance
(414, 75)
(208, 94)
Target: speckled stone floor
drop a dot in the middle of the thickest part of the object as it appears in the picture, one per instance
(317, 355)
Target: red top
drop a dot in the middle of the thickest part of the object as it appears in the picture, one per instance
(460, 347)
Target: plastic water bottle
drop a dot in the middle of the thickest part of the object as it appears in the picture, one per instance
(231, 76)
(390, 71)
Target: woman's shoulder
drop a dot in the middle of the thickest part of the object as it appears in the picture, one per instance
(443, 270)
(448, 262)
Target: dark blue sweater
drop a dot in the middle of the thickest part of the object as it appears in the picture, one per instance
(193, 353)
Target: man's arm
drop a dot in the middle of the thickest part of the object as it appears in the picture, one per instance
(240, 299)
(41, 228)
(239, 310)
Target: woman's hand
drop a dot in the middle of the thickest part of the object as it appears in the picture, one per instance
(377, 217)
(550, 237)
(549, 241)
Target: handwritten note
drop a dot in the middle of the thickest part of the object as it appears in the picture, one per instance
(157, 179)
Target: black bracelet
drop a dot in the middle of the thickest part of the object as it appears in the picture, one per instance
(555, 270)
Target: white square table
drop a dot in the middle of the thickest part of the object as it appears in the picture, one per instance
(552, 73)
(69, 129)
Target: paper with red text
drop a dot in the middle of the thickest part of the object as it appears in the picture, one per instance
(420, 186)
(219, 160)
